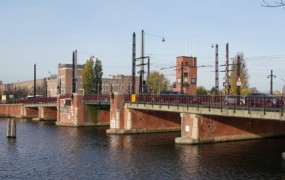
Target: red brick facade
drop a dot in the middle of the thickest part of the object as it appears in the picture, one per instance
(186, 74)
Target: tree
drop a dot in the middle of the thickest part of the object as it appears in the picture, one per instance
(201, 90)
(213, 91)
(158, 82)
(88, 76)
(98, 73)
(53, 76)
(244, 89)
(279, 3)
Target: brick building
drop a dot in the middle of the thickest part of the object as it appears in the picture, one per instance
(65, 78)
(186, 75)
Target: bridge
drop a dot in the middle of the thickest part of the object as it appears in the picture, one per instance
(208, 105)
(201, 119)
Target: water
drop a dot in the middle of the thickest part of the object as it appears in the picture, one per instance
(45, 151)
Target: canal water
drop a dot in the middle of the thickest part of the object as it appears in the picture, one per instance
(46, 151)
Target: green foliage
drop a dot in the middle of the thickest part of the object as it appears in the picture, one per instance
(244, 76)
(201, 90)
(158, 82)
(213, 91)
(88, 76)
(98, 73)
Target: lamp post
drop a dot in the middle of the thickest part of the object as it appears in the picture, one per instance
(271, 76)
(216, 67)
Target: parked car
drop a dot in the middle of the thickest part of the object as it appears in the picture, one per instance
(262, 99)
(233, 99)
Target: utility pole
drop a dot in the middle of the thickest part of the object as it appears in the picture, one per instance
(227, 86)
(238, 80)
(142, 65)
(271, 81)
(148, 73)
(217, 70)
(74, 71)
(35, 80)
(181, 69)
(133, 90)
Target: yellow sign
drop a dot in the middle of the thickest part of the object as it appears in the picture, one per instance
(133, 98)
(4, 98)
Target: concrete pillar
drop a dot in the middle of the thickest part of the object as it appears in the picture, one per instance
(41, 112)
(117, 125)
(11, 128)
(129, 119)
(189, 129)
(195, 127)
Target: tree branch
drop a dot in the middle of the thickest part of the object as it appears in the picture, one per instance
(276, 4)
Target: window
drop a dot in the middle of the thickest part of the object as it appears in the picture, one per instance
(178, 80)
(185, 74)
(193, 80)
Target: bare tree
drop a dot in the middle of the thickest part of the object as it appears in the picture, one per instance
(279, 3)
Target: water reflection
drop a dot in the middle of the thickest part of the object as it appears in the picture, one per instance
(45, 151)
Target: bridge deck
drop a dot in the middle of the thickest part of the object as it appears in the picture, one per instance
(230, 111)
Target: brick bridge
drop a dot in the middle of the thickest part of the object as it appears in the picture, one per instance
(200, 119)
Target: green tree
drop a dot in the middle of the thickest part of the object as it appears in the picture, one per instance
(158, 82)
(213, 91)
(98, 73)
(201, 90)
(244, 76)
(88, 76)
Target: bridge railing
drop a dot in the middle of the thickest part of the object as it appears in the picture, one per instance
(102, 98)
(209, 101)
(34, 100)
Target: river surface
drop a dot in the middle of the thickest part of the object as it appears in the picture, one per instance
(46, 151)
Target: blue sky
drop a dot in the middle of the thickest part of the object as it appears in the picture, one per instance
(46, 32)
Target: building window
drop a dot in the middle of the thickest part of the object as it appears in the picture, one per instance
(193, 80)
(185, 74)
(185, 79)
(178, 80)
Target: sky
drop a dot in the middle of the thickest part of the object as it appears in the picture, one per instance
(46, 33)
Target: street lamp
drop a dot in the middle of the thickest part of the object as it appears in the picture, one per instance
(271, 76)
(216, 68)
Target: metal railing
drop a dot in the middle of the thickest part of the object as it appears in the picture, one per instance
(211, 101)
(102, 98)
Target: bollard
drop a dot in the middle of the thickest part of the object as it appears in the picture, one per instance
(11, 128)
(283, 156)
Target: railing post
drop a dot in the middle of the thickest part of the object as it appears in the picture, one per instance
(221, 103)
(264, 105)
(249, 105)
(187, 101)
(281, 106)
(209, 99)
